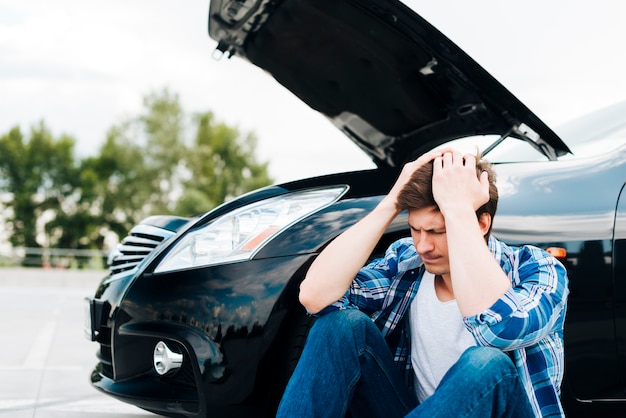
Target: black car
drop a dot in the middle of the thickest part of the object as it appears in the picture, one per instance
(200, 317)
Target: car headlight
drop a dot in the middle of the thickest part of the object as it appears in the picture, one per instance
(238, 235)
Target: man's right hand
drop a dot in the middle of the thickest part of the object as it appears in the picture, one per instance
(408, 170)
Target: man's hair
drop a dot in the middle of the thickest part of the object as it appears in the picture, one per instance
(418, 192)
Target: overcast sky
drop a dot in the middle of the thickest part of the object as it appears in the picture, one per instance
(83, 65)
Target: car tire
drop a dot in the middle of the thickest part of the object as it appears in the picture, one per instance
(296, 331)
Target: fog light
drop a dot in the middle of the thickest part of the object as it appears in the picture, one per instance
(165, 360)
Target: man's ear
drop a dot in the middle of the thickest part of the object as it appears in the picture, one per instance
(484, 222)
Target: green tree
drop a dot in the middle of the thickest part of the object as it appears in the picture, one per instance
(172, 173)
(39, 173)
(222, 166)
(163, 124)
(114, 186)
(147, 165)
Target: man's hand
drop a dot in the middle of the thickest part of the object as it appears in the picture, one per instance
(476, 278)
(409, 169)
(456, 184)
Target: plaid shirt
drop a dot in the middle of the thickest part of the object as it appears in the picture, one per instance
(527, 321)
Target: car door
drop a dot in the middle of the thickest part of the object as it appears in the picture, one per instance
(619, 277)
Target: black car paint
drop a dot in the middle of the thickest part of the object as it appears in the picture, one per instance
(240, 327)
(572, 205)
(393, 83)
(259, 312)
(181, 307)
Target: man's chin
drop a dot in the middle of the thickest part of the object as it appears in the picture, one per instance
(435, 269)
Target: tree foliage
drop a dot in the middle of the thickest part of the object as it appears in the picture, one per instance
(222, 166)
(39, 173)
(162, 161)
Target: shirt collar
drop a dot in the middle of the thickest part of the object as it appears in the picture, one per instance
(495, 247)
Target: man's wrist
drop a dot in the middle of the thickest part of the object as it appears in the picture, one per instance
(388, 205)
(457, 211)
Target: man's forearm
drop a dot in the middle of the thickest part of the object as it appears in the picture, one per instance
(331, 274)
(477, 278)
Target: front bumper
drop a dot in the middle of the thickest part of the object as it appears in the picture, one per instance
(232, 338)
(149, 393)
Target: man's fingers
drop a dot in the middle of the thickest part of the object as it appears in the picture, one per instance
(438, 162)
(445, 158)
(484, 181)
(469, 160)
(430, 156)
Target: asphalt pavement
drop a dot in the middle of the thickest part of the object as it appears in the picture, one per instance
(45, 360)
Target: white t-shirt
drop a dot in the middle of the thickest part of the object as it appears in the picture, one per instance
(438, 337)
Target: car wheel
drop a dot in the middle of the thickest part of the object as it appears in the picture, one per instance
(296, 331)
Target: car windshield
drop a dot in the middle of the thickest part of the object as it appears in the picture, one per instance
(587, 136)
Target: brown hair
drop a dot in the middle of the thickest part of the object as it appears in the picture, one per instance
(418, 192)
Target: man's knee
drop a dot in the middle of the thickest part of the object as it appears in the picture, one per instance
(343, 325)
(487, 360)
(342, 321)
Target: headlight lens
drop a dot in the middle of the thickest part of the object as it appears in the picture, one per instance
(238, 235)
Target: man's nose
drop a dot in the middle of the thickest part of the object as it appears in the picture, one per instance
(425, 243)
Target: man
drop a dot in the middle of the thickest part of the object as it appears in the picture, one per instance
(450, 323)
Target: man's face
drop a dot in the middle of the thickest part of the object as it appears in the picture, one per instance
(428, 229)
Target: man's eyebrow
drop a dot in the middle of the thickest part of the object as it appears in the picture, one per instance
(432, 229)
(413, 227)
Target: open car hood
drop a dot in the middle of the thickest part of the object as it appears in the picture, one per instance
(383, 75)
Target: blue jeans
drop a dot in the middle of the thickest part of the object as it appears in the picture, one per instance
(346, 365)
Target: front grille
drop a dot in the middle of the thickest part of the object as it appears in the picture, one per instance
(104, 355)
(140, 242)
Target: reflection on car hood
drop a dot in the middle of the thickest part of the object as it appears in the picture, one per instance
(382, 74)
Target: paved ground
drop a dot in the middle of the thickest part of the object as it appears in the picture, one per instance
(45, 361)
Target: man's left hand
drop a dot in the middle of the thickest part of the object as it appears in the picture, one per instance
(456, 183)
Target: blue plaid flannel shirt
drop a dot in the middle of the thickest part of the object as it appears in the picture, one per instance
(527, 321)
